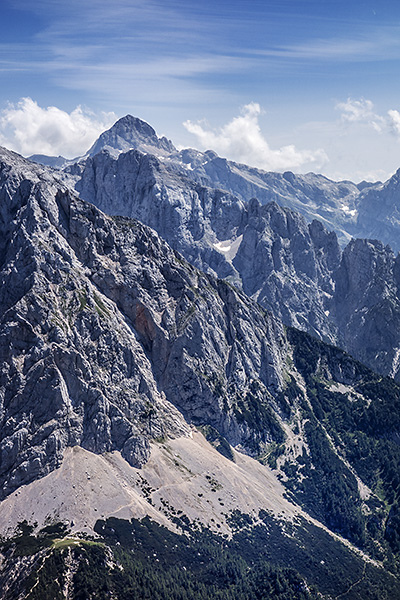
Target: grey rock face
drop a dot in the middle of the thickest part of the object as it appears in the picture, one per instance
(365, 210)
(108, 332)
(288, 267)
(295, 269)
(353, 211)
(192, 218)
(105, 332)
(379, 212)
(109, 339)
(270, 251)
(58, 336)
(313, 196)
(350, 299)
(366, 304)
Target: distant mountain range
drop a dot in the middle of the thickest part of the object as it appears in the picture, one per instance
(364, 210)
(168, 428)
(197, 203)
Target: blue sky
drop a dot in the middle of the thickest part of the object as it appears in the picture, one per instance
(286, 85)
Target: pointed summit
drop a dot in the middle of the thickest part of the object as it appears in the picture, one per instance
(131, 133)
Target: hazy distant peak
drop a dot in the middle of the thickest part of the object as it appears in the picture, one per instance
(57, 162)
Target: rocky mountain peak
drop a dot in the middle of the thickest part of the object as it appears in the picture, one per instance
(131, 133)
(129, 122)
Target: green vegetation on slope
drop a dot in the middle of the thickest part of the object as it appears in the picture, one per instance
(267, 559)
(351, 429)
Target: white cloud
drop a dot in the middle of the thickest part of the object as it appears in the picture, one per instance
(361, 111)
(363, 142)
(27, 128)
(241, 140)
(394, 121)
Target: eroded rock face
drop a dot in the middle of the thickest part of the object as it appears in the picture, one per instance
(312, 195)
(288, 266)
(294, 268)
(379, 212)
(366, 304)
(364, 210)
(109, 339)
(268, 250)
(191, 218)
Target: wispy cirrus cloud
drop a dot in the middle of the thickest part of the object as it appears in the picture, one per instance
(94, 36)
(241, 140)
(126, 51)
(27, 128)
(135, 52)
(363, 43)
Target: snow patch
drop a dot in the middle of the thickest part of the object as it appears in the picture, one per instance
(349, 211)
(395, 363)
(223, 246)
(229, 247)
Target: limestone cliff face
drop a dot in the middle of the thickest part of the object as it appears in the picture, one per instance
(268, 250)
(366, 304)
(378, 214)
(288, 267)
(198, 202)
(192, 218)
(111, 341)
(350, 299)
(109, 338)
(295, 269)
(72, 370)
(312, 195)
(364, 210)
